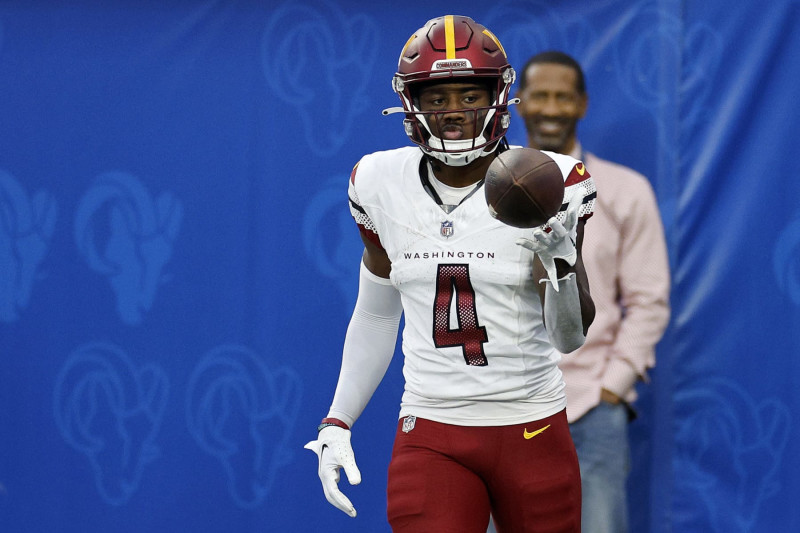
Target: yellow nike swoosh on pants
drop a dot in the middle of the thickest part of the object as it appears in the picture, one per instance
(533, 434)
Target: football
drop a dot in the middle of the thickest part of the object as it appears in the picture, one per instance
(524, 188)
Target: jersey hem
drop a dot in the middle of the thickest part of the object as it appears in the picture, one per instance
(531, 413)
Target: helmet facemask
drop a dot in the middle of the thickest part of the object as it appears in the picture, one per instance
(489, 123)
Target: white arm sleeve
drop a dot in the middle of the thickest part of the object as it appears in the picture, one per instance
(562, 314)
(368, 345)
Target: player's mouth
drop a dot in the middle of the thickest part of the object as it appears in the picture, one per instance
(452, 132)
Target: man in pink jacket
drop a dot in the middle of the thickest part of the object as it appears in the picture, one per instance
(626, 262)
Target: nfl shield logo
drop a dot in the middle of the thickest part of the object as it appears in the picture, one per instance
(447, 228)
(409, 423)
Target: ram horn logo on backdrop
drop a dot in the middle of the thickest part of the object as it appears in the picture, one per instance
(306, 52)
(127, 236)
(728, 443)
(242, 411)
(330, 237)
(111, 411)
(26, 226)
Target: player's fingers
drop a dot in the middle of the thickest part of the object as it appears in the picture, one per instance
(336, 497)
(329, 475)
(558, 231)
(573, 208)
(352, 471)
(342, 455)
(541, 236)
(528, 244)
(348, 461)
(314, 446)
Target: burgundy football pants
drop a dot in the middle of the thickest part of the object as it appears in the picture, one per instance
(447, 479)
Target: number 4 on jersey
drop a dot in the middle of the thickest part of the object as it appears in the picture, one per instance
(453, 284)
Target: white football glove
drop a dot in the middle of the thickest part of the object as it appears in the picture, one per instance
(559, 243)
(334, 451)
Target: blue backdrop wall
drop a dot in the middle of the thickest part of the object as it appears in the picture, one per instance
(178, 266)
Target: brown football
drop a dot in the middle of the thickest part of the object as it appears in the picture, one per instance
(524, 188)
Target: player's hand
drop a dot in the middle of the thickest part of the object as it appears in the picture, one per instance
(559, 242)
(334, 451)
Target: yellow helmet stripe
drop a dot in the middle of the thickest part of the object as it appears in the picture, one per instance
(408, 42)
(449, 37)
(491, 36)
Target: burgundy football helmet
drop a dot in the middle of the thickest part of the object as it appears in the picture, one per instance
(450, 48)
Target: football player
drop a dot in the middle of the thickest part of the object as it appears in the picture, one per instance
(482, 426)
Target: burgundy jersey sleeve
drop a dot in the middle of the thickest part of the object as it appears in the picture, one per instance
(579, 181)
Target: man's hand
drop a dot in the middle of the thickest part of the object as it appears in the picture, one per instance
(609, 397)
(334, 451)
(559, 243)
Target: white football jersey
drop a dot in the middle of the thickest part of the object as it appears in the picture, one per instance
(476, 351)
